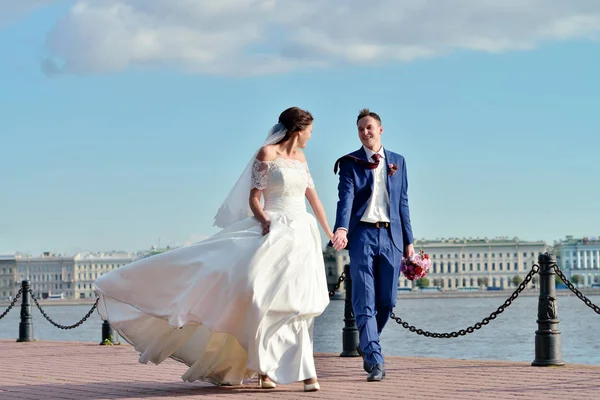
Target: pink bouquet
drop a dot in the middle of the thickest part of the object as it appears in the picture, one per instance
(416, 266)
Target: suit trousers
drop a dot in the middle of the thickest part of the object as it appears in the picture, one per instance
(374, 269)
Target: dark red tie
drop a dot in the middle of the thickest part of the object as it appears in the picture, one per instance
(364, 163)
(376, 157)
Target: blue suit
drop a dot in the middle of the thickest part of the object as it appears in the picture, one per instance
(375, 253)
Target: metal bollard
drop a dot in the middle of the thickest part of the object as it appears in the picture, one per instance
(26, 324)
(548, 349)
(349, 332)
(109, 335)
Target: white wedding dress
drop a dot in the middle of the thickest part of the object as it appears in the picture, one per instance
(236, 304)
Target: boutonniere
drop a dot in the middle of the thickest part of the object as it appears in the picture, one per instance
(393, 168)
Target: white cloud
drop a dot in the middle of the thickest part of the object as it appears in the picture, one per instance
(240, 37)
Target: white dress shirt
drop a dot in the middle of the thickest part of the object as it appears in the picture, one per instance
(378, 209)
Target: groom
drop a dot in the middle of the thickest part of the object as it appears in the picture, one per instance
(373, 222)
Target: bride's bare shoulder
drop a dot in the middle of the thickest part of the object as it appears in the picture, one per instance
(266, 153)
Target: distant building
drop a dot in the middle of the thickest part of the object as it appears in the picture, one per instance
(69, 277)
(471, 263)
(579, 257)
(87, 267)
(8, 277)
(47, 274)
(155, 250)
(334, 266)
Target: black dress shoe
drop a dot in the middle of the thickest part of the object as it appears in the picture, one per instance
(377, 373)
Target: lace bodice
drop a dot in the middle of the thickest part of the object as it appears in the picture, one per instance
(281, 178)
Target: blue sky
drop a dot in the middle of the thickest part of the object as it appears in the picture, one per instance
(118, 147)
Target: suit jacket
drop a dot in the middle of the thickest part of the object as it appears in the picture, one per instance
(355, 189)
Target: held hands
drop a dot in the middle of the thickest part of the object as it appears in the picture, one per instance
(409, 250)
(266, 226)
(340, 239)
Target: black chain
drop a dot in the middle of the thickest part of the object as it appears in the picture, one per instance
(341, 279)
(65, 327)
(534, 270)
(575, 290)
(12, 304)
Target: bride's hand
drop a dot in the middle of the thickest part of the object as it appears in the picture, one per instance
(266, 227)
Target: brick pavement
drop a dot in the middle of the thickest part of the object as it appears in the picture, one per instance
(84, 371)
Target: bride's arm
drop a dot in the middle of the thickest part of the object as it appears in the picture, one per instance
(258, 211)
(259, 182)
(317, 206)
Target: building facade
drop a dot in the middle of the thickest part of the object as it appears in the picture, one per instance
(9, 285)
(581, 258)
(87, 267)
(67, 277)
(47, 274)
(477, 263)
(334, 266)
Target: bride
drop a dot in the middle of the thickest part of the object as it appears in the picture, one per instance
(243, 301)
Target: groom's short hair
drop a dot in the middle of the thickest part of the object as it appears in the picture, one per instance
(365, 112)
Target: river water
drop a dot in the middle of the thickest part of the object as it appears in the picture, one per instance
(508, 337)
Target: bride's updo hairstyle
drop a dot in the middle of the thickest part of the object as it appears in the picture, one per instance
(294, 120)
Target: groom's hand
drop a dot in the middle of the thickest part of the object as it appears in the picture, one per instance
(409, 250)
(340, 239)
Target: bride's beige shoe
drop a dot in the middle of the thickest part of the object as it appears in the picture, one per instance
(265, 384)
(312, 387)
